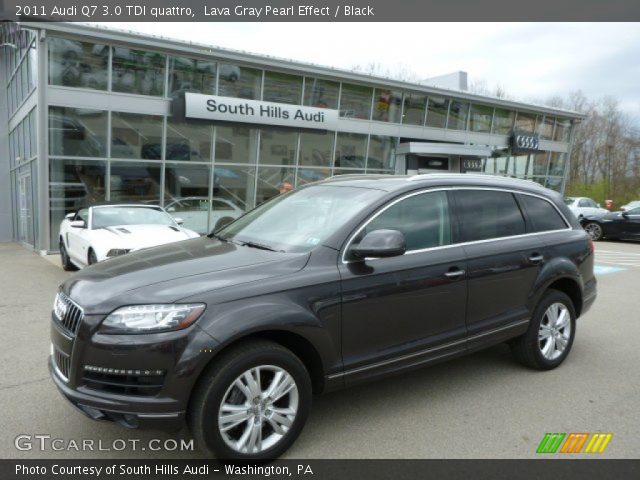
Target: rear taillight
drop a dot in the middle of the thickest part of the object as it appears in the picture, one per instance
(592, 247)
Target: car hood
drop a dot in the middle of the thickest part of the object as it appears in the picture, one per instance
(168, 273)
(141, 236)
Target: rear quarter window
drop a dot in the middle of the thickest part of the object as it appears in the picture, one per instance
(544, 216)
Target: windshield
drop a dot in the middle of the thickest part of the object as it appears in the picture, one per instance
(300, 220)
(112, 216)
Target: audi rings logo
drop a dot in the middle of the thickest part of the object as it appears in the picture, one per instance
(523, 141)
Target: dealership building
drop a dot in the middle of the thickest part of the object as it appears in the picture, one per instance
(93, 115)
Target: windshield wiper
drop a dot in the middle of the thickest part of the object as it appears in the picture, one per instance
(260, 246)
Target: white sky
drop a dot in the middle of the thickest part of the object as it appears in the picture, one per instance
(531, 61)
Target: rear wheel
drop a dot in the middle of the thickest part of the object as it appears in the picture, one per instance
(252, 404)
(551, 332)
(594, 230)
(67, 265)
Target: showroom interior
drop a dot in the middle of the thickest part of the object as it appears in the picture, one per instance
(90, 115)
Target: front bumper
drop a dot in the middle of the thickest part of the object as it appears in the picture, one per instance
(180, 356)
(124, 413)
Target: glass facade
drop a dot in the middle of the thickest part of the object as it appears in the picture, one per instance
(208, 172)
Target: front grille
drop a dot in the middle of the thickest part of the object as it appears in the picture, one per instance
(67, 313)
(62, 362)
(143, 385)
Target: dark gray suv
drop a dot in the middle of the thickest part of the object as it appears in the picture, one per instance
(332, 284)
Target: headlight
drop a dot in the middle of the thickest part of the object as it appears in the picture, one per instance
(152, 318)
(116, 252)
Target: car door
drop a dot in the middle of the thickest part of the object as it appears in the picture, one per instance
(503, 262)
(410, 309)
(76, 238)
(631, 226)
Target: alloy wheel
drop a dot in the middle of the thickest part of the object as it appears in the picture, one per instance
(258, 409)
(594, 230)
(555, 331)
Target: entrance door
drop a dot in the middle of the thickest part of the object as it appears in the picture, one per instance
(25, 210)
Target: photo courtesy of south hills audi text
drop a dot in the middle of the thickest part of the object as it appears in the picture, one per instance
(387, 237)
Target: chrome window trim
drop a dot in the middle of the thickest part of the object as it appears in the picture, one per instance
(452, 245)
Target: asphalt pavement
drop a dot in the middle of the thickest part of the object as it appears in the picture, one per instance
(480, 406)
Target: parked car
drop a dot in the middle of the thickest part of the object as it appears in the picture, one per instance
(630, 205)
(93, 234)
(195, 211)
(335, 283)
(581, 206)
(615, 225)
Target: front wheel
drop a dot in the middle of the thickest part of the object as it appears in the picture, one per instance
(594, 230)
(550, 335)
(67, 265)
(252, 403)
(92, 257)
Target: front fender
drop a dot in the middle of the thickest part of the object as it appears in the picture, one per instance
(318, 324)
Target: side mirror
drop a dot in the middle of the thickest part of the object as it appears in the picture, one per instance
(78, 224)
(69, 216)
(625, 214)
(380, 244)
(179, 221)
(598, 205)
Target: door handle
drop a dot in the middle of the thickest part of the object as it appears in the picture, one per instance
(453, 274)
(536, 258)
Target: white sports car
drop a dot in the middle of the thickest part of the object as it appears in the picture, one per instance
(100, 232)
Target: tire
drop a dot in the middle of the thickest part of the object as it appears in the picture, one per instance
(67, 265)
(594, 229)
(91, 257)
(532, 349)
(217, 386)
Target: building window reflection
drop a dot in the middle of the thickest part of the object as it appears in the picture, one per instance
(138, 71)
(481, 118)
(73, 184)
(355, 101)
(282, 88)
(191, 75)
(236, 144)
(458, 112)
(437, 108)
(278, 146)
(381, 153)
(321, 93)
(78, 64)
(135, 181)
(136, 135)
(315, 148)
(77, 132)
(503, 121)
(387, 106)
(351, 150)
(239, 82)
(414, 110)
(186, 195)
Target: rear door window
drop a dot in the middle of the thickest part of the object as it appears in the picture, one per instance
(486, 214)
(544, 216)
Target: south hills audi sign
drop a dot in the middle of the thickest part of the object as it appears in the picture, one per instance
(228, 109)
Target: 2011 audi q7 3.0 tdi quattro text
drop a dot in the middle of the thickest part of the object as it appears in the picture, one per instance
(335, 283)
